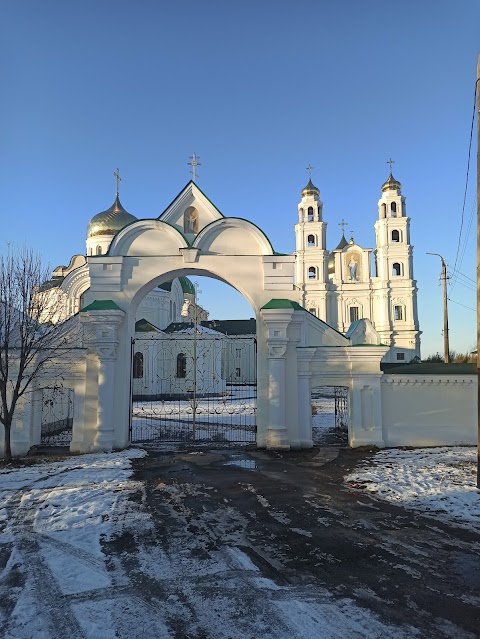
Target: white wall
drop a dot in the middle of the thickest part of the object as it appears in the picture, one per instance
(429, 410)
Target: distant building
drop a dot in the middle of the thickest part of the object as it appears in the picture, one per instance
(351, 283)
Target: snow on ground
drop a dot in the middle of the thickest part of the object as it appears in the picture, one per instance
(58, 580)
(437, 481)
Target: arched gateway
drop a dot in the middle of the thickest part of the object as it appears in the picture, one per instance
(295, 349)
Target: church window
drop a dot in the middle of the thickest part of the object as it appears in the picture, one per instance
(311, 240)
(90, 252)
(138, 366)
(99, 250)
(310, 214)
(181, 365)
(354, 314)
(312, 273)
(238, 352)
(384, 210)
(398, 312)
(238, 372)
(393, 209)
(400, 357)
(395, 236)
(396, 269)
(313, 311)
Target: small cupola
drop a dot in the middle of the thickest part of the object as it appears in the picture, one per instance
(391, 184)
(310, 190)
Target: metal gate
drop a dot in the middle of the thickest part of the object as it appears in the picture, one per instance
(194, 387)
(341, 410)
(57, 416)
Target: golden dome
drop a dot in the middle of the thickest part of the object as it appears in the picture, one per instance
(310, 189)
(111, 221)
(391, 184)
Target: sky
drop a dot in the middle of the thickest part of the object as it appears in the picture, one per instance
(259, 90)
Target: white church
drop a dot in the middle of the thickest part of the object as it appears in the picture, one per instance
(320, 318)
(340, 286)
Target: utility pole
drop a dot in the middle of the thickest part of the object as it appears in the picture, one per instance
(446, 345)
(477, 93)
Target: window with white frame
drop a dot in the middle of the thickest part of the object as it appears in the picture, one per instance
(354, 313)
(396, 269)
(398, 312)
(311, 241)
(312, 273)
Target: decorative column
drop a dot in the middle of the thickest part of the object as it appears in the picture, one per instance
(101, 336)
(277, 321)
(304, 356)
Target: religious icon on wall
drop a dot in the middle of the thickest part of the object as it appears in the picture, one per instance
(190, 220)
(352, 261)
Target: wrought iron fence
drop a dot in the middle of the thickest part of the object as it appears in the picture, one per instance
(57, 416)
(194, 387)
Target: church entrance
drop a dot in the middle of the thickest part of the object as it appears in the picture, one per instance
(193, 386)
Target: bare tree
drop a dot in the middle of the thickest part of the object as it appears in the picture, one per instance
(32, 333)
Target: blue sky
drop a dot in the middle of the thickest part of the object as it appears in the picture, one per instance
(259, 90)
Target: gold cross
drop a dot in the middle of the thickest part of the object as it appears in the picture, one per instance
(343, 224)
(310, 169)
(390, 161)
(118, 179)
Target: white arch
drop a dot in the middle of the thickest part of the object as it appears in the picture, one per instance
(233, 236)
(146, 238)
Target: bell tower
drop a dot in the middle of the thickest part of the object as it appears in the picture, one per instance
(310, 245)
(396, 316)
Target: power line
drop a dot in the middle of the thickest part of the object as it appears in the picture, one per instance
(468, 171)
(469, 307)
(465, 244)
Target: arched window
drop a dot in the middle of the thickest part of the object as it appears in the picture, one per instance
(301, 213)
(311, 240)
(384, 210)
(99, 250)
(312, 273)
(310, 214)
(138, 366)
(395, 236)
(396, 269)
(90, 251)
(181, 365)
(393, 209)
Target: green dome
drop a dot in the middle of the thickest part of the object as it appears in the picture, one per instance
(111, 221)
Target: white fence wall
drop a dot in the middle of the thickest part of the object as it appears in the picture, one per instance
(429, 410)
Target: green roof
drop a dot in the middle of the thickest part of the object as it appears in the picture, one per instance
(227, 327)
(282, 303)
(144, 326)
(101, 305)
(187, 285)
(429, 368)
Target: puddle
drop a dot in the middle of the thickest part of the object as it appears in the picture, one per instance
(249, 464)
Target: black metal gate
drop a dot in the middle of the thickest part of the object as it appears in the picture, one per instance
(194, 387)
(57, 416)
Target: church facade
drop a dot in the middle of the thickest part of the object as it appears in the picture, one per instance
(339, 286)
(350, 283)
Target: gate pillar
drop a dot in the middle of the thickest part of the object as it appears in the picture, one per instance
(304, 373)
(101, 336)
(277, 321)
